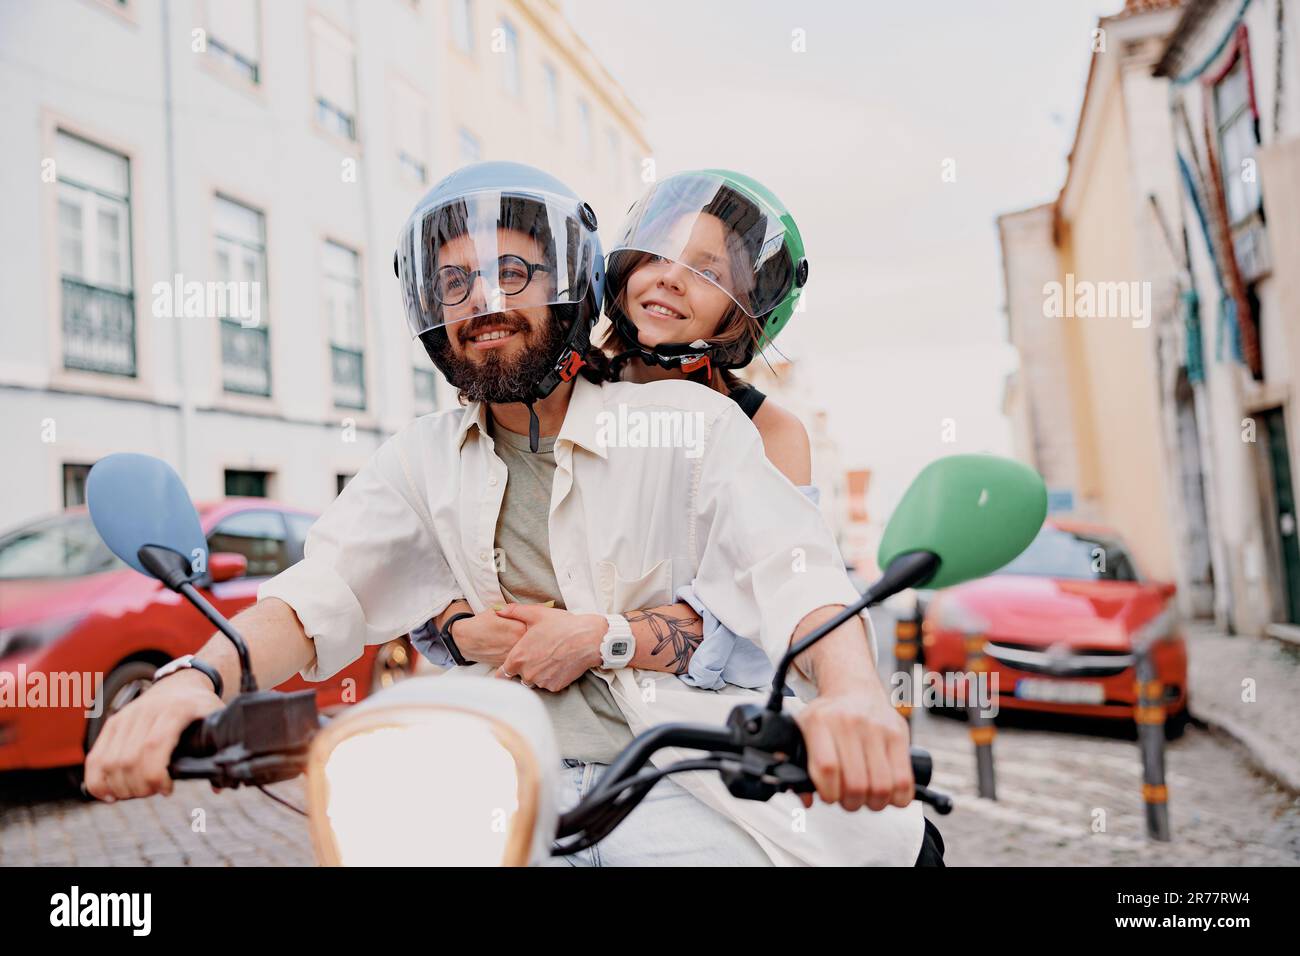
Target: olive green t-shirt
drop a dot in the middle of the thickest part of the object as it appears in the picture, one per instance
(588, 724)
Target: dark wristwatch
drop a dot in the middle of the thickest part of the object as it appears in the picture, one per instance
(450, 644)
(190, 662)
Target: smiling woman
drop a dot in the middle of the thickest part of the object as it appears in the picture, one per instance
(705, 275)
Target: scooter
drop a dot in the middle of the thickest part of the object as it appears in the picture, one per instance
(963, 517)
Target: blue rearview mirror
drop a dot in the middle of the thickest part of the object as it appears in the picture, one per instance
(138, 500)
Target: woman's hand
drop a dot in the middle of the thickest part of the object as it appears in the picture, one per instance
(557, 648)
(487, 637)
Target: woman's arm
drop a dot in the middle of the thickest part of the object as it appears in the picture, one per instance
(666, 637)
(785, 442)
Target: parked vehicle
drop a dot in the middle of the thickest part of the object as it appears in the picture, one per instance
(68, 606)
(1062, 624)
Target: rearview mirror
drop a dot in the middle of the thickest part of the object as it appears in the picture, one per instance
(137, 501)
(974, 512)
(963, 517)
(226, 566)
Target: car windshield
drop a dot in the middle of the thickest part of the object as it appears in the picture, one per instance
(66, 546)
(1057, 553)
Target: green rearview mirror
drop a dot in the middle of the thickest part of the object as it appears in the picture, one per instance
(976, 512)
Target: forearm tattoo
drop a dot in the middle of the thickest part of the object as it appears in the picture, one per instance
(677, 635)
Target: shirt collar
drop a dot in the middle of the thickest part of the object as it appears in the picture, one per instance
(580, 420)
(475, 414)
(586, 402)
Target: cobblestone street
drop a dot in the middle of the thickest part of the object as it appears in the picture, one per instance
(42, 823)
(1050, 783)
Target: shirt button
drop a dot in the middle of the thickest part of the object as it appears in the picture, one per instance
(483, 556)
(492, 482)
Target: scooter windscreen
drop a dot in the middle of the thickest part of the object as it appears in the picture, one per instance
(494, 251)
(722, 236)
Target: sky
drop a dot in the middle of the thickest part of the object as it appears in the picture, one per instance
(903, 341)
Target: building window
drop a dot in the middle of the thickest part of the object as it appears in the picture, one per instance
(343, 318)
(74, 484)
(462, 24)
(94, 239)
(235, 36)
(1237, 143)
(584, 129)
(510, 57)
(240, 245)
(551, 88)
(426, 391)
(470, 150)
(411, 127)
(336, 89)
(247, 484)
(341, 482)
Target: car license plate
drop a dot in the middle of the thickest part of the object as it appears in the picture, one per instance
(1061, 691)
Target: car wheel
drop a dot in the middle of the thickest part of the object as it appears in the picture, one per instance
(121, 687)
(1176, 724)
(392, 664)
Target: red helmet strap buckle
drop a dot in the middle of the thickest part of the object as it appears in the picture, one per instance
(572, 362)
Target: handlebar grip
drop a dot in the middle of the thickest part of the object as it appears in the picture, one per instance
(194, 740)
(190, 757)
(922, 766)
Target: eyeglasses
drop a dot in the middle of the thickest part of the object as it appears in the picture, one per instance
(451, 284)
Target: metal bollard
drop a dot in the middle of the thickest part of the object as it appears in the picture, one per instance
(982, 730)
(906, 635)
(1149, 714)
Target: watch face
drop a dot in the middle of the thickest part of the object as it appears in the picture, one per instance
(618, 648)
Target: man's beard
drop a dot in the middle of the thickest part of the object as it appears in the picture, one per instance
(496, 380)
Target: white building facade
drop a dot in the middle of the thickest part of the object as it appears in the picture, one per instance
(1233, 67)
(202, 200)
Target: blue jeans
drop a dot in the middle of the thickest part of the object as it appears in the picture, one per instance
(668, 828)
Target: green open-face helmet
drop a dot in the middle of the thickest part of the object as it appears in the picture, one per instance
(765, 272)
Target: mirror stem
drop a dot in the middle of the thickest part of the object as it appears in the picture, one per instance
(908, 570)
(247, 683)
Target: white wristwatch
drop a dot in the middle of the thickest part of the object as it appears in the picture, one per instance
(618, 646)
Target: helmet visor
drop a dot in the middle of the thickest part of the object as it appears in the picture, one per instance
(723, 236)
(492, 251)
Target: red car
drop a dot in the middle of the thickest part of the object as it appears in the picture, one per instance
(1060, 624)
(72, 616)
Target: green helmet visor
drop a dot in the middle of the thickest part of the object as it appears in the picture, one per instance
(716, 233)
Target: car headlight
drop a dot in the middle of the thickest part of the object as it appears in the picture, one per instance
(474, 760)
(952, 615)
(30, 637)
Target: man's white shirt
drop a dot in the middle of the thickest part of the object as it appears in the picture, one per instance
(691, 498)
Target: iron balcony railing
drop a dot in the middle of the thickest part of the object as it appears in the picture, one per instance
(349, 377)
(245, 359)
(98, 329)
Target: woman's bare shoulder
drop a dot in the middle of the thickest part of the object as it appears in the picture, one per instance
(785, 442)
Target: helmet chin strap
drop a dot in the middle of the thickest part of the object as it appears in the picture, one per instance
(534, 427)
(565, 369)
(697, 366)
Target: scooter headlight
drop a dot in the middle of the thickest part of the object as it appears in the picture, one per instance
(468, 765)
